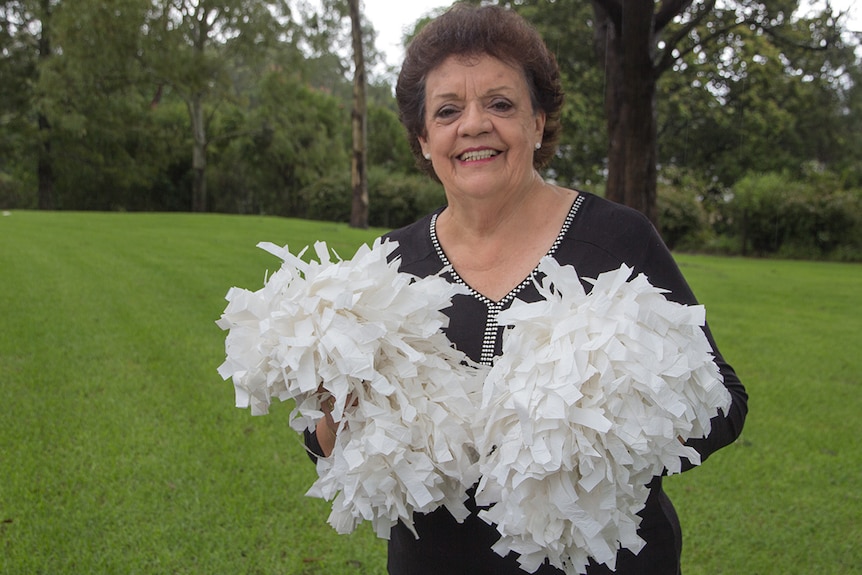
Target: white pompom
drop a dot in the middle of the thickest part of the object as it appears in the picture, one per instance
(370, 337)
(592, 397)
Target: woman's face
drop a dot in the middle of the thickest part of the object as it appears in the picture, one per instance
(481, 130)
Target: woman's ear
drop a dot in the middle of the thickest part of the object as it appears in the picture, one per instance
(423, 143)
(540, 125)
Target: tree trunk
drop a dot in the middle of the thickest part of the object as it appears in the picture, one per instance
(625, 43)
(199, 153)
(45, 165)
(358, 174)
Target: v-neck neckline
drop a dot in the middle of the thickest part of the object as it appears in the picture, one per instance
(567, 223)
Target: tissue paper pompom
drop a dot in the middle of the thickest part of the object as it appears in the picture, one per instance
(592, 397)
(369, 337)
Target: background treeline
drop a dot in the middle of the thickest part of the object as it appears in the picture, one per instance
(243, 106)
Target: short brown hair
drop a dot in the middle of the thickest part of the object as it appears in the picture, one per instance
(467, 30)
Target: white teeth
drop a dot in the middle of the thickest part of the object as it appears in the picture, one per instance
(478, 155)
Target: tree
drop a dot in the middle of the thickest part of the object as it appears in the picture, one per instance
(18, 68)
(28, 31)
(108, 147)
(768, 96)
(75, 122)
(325, 39)
(287, 136)
(358, 164)
(101, 114)
(190, 46)
(625, 37)
(638, 41)
(46, 166)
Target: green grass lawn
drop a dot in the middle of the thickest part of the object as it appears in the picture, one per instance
(121, 451)
(787, 497)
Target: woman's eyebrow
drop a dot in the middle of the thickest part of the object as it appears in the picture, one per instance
(456, 96)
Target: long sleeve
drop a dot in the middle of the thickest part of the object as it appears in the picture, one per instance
(607, 235)
(663, 271)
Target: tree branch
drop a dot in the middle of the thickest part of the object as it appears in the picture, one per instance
(781, 39)
(667, 59)
(669, 9)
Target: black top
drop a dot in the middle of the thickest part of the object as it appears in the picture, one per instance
(598, 236)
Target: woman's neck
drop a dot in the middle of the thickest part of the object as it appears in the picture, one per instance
(495, 248)
(507, 216)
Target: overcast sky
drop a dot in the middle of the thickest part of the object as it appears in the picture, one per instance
(390, 20)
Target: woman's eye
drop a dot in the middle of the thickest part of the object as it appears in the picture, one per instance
(446, 112)
(502, 105)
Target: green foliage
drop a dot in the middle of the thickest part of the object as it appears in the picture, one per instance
(762, 93)
(387, 141)
(121, 451)
(683, 220)
(567, 28)
(395, 199)
(133, 99)
(17, 131)
(285, 138)
(328, 198)
(399, 199)
(775, 214)
(12, 195)
(816, 216)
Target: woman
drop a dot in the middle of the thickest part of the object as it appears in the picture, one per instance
(480, 96)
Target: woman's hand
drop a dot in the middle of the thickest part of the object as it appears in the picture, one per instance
(327, 428)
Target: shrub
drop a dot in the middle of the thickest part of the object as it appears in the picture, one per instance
(399, 199)
(329, 198)
(683, 220)
(13, 194)
(395, 199)
(772, 214)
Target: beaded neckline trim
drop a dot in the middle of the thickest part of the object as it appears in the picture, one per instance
(494, 307)
(567, 224)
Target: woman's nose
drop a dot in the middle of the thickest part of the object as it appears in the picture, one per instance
(474, 120)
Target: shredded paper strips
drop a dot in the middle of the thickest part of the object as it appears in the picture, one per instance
(370, 338)
(594, 395)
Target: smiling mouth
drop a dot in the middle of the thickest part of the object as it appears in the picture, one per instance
(478, 155)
